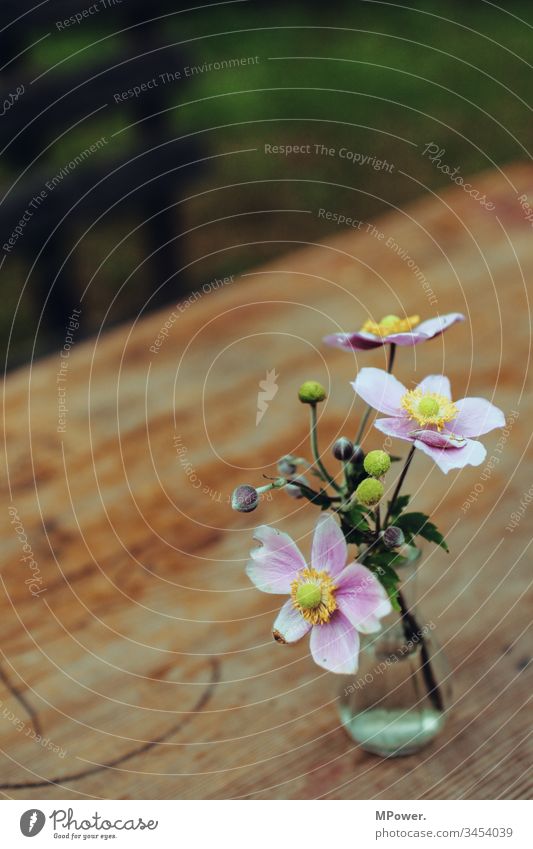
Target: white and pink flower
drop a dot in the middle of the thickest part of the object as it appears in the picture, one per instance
(427, 417)
(393, 330)
(331, 600)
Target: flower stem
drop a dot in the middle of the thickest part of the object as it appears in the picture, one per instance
(413, 631)
(316, 454)
(392, 354)
(362, 426)
(278, 483)
(364, 420)
(399, 484)
(378, 521)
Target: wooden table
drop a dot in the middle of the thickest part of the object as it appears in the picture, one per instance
(143, 654)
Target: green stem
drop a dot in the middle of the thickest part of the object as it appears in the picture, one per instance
(279, 483)
(413, 631)
(400, 483)
(362, 426)
(364, 420)
(314, 446)
(392, 354)
(378, 521)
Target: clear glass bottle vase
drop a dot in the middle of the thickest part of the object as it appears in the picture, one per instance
(397, 701)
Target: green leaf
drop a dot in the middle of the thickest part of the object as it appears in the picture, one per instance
(392, 593)
(321, 498)
(380, 564)
(354, 525)
(387, 560)
(356, 517)
(418, 524)
(399, 505)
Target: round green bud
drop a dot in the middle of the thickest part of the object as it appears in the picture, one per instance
(377, 463)
(311, 392)
(369, 492)
(428, 407)
(309, 596)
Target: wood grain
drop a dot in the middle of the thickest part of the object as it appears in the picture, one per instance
(148, 659)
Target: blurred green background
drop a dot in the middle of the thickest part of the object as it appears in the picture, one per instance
(379, 78)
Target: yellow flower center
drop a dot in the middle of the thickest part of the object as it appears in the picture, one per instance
(429, 408)
(390, 324)
(313, 595)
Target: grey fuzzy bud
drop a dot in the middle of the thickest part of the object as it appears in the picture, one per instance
(393, 537)
(286, 466)
(245, 498)
(293, 489)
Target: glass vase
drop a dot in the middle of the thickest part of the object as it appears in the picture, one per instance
(397, 701)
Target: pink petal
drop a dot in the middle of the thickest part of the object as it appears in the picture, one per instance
(439, 440)
(436, 383)
(276, 563)
(434, 326)
(353, 341)
(380, 390)
(290, 626)
(401, 428)
(335, 645)
(425, 331)
(330, 551)
(476, 417)
(362, 598)
(473, 454)
(404, 339)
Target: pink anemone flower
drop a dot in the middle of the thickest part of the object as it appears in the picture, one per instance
(330, 599)
(393, 330)
(427, 417)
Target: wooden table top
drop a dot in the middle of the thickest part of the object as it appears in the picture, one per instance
(140, 650)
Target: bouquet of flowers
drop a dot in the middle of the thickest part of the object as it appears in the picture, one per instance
(336, 597)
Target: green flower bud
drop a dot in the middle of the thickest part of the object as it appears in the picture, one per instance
(311, 392)
(376, 463)
(369, 492)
